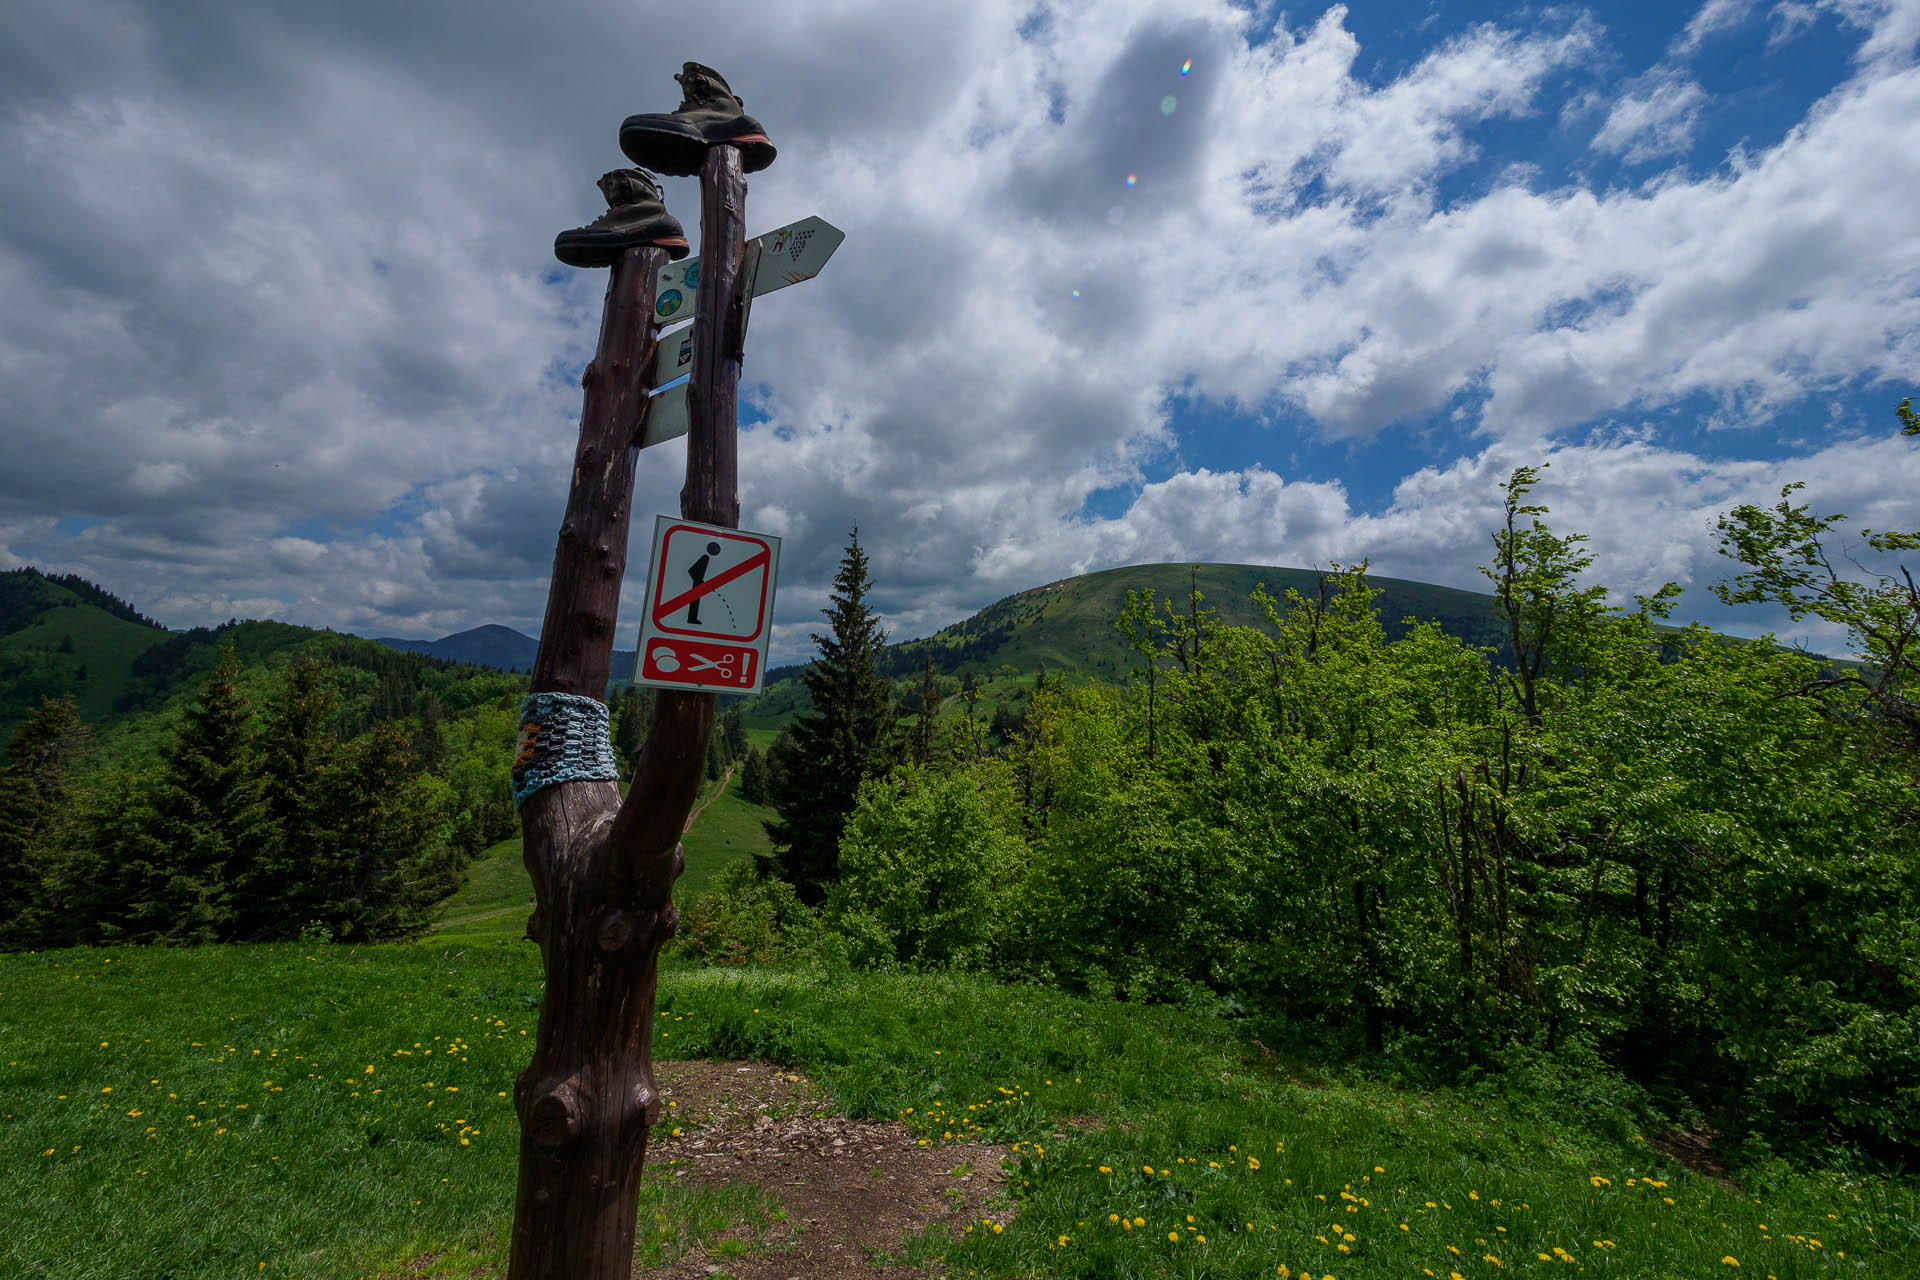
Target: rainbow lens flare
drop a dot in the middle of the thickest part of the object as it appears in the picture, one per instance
(1186, 66)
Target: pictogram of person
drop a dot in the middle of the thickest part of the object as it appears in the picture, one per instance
(698, 572)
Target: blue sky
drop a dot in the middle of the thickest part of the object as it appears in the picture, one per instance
(281, 334)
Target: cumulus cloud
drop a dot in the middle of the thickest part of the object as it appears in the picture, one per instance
(1656, 118)
(283, 332)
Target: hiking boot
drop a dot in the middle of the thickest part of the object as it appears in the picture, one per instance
(636, 219)
(709, 116)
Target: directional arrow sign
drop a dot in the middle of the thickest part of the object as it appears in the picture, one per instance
(666, 416)
(672, 358)
(788, 255)
(708, 614)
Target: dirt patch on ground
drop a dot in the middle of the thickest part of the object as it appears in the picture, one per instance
(853, 1190)
(1695, 1151)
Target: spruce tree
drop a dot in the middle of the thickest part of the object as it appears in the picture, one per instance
(924, 736)
(632, 714)
(210, 822)
(36, 803)
(385, 856)
(296, 748)
(849, 736)
(754, 777)
(732, 731)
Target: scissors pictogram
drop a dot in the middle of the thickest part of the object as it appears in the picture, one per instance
(698, 663)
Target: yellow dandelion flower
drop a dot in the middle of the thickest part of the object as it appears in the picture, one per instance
(1730, 1261)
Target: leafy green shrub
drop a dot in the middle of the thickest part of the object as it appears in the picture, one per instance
(742, 919)
(926, 864)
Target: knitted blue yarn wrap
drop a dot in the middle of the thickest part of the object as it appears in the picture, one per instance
(563, 738)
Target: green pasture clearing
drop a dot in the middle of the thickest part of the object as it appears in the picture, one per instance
(336, 1111)
(493, 905)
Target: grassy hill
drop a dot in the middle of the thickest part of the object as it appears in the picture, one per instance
(1067, 628)
(492, 906)
(60, 637)
(304, 1112)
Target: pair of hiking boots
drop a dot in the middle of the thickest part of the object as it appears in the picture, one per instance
(673, 142)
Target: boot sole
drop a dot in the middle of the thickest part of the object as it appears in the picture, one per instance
(668, 144)
(603, 248)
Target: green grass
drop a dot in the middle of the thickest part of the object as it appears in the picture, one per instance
(105, 646)
(492, 906)
(199, 1113)
(727, 830)
(323, 1111)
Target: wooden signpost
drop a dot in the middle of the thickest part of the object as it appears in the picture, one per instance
(602, 868)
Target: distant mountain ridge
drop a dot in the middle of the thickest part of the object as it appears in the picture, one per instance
(488, 646)
(494, 646)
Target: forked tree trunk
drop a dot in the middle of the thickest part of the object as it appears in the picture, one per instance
(602, 870)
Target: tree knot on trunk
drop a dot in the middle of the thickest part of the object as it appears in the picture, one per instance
(557, 1116)
(643, 1106)
(617, 930)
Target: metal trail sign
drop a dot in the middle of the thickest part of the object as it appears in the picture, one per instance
(787, 255)
(791, 254)
(707, 617)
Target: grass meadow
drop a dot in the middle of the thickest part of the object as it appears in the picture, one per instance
(319, 1111)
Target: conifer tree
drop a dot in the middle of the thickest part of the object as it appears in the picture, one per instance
(296, 748)
(209, 819)
(386, 856)
(732, 731)
(754, 777)
(929, 708)
(632, 713)
(849, 736)
(35, 808)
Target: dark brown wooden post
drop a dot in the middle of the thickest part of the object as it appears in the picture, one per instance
(603, 870)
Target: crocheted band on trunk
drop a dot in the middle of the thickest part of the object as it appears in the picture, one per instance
(563, 738)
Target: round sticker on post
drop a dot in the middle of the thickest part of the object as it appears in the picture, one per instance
(668, 304)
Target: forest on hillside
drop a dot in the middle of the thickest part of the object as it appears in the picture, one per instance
(282, 783)
(1652, 855)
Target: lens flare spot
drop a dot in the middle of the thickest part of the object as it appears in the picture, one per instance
(1133, 180)
(1186, 66)
(1168, 104)
(1076, 293)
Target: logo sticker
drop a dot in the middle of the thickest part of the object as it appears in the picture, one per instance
(693, 275)
(668, 304)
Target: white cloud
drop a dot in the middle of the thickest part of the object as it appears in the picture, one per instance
(291, 283)
(1655, 118)
(1713, 17)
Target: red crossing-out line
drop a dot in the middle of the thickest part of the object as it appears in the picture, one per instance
(718, 580)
